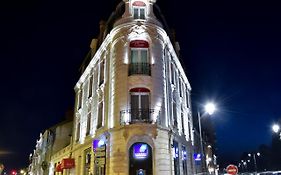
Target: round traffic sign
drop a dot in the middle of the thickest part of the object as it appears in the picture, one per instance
(232, 169)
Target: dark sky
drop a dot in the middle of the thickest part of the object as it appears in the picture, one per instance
(230, 51)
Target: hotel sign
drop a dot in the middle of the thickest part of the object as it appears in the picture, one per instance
(140, 151)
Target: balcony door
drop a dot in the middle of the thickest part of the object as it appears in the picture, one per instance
(139, 59)
(140, 105)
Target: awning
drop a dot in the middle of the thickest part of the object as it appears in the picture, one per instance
(67, 163)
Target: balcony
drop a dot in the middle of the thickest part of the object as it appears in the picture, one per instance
(133, 116)
(140, 68)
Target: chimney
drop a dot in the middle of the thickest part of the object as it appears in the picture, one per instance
(101, 34)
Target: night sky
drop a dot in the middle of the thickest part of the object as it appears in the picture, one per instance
(229, 49)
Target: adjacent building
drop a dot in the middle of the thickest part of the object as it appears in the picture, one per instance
(50, 142)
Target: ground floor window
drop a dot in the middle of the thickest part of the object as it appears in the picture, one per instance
(87, 160)
(176, 158)
(184, 160)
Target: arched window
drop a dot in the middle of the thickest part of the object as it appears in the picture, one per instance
(139, 59)
(139, 9)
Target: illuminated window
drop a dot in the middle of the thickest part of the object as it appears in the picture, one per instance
(139, 60)
(139, 10)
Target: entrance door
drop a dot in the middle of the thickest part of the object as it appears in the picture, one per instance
(140, 159)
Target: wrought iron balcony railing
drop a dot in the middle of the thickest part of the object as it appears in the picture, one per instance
(132, 116)
(140, 68)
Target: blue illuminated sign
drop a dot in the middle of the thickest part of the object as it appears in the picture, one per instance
(197, 157)
(140, 150)
(98, 144)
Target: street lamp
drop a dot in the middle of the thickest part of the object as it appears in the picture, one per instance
(276, 129)
(255, 160)
(210, 108)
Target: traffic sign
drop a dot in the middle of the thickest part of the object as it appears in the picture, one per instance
(232, 169)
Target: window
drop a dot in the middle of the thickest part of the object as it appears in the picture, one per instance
(182, 122)
(100, 114)
(95, 82)
(101, 77)
(139, 10)
(87, 160)
(175, 114)
(176, 158)
(90, 86)
(139, 13)
(88, 121)
(77, 130)
(80, 98)
(187, 99)
(189, 129)
(140, 104)
(139, 60)
(184, 160)
(172, 67)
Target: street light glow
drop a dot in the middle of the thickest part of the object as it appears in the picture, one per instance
(258, 154)
(210, 108)
(275, 128)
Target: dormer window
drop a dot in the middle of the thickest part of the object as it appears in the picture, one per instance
(139, 9)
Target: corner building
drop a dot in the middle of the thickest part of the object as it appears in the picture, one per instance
(132, 112)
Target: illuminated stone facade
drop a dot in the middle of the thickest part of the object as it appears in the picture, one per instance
(133, 100)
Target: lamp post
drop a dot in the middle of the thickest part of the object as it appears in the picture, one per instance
(255, 160)
(276, 129)
(210, 108)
